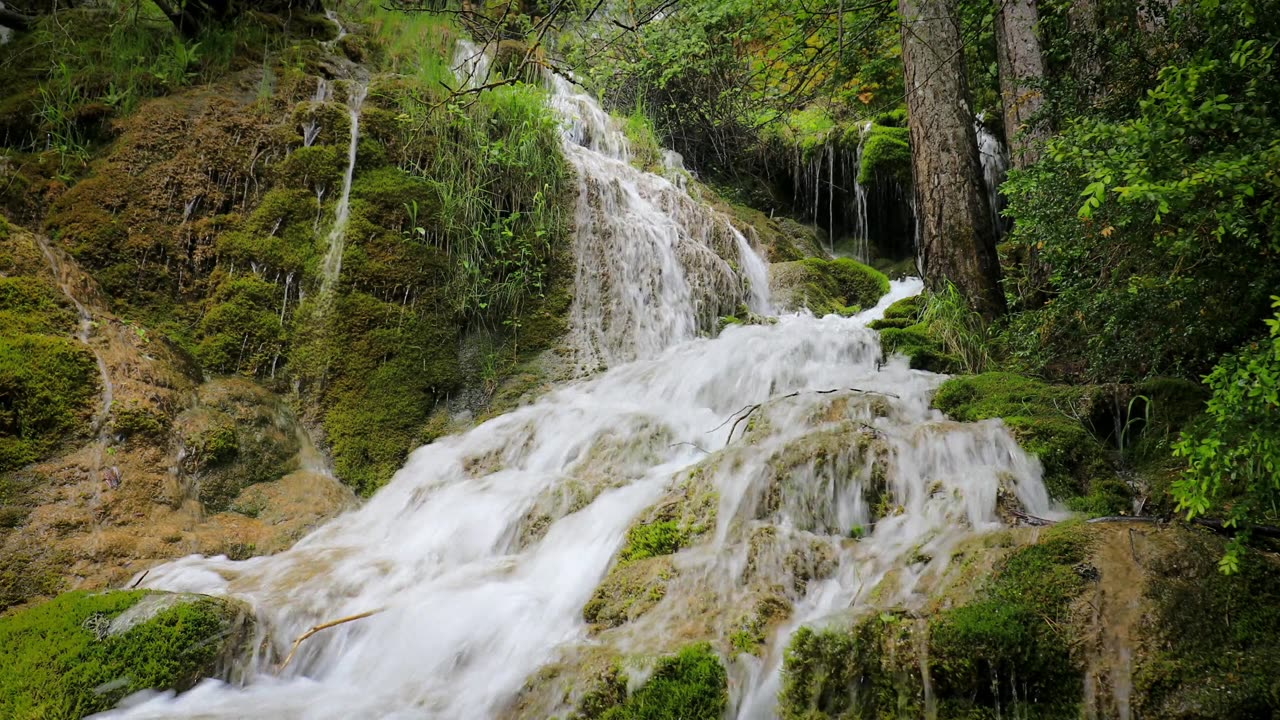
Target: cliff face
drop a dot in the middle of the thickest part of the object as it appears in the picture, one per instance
(238, 268)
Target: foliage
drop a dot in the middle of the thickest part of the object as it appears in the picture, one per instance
(692, 685)
(57, 660)
(1234, 458)
(963, 333)
(1167, 257)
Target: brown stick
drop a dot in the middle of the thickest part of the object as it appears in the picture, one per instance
(318, 628)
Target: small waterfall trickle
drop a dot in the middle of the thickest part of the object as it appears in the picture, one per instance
(331, 267)
(995, 167)
(861, 231)
(311, 129)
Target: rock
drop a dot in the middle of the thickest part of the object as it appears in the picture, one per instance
(81, 652)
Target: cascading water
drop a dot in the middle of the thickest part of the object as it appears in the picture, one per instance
(478, 566)
(861, 233)
(995, 167)
(331, 267)
(6, 34)
(311, 129)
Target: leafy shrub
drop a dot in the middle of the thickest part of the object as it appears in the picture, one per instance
(1234, 458)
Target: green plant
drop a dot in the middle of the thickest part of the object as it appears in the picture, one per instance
(1233, 460)
(963, 333)
(691, 685)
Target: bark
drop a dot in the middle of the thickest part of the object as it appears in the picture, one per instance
(957, 239)
(1021, 64)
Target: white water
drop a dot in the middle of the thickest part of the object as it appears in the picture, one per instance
(311, 129)
(861, 233)
(995, 167)
(331, 267)
(472, 601)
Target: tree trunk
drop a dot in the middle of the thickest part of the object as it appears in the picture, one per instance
(957, 239)
(1021, 66)
(14, 20)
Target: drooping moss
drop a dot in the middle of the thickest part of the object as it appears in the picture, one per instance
(81, 653)
(692, 685)
(841, 286)
(1046, 419)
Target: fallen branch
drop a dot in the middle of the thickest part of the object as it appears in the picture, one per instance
(318, 628)
(1032, 519)
(141, 577)
(695, 446)
(746, 410)
(1269, 531)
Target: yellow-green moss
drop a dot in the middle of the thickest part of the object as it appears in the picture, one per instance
(691, 685)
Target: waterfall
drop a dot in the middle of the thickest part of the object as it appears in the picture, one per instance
(861, 232)
(995, 166)
(481, 552)
(331, 267)
(311, 129)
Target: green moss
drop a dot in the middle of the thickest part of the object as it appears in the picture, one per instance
(692, 685)
(306, 168)
(841, 286)
(1042, 417)
(47, 387)
(61, 659)
(137, 421)
(29, 305)
(629, 591)
(241, 332)
(1214, 639)
(922, 350)
(863, 672)
(906, 308)
(1008, 648)
(886, 154)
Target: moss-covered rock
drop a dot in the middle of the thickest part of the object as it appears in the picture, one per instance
(841, 286)
(1212, 641)
(692, 685)
(236, 435)
(1004, 646)
(629, 591)
(866, 671)
(82, 652)
(1046, 419)
(923, 351)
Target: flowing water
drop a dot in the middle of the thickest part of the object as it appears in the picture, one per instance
(481, 552)
(331, 267)
(995, 167)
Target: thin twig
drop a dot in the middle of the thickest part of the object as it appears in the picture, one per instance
(318, 628)
(139, 580)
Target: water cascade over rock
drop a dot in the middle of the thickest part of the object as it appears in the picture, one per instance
(795, 474)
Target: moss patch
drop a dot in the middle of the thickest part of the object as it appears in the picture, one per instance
(913, 340)
(67, 658)
(1214, 641)
(841, 286)
(692, 685)
(1042, 417)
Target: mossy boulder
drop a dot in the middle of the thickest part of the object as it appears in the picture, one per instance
(864, 671)
(81, 653)
(1047, 420)
(1005, 646)
(628, 592)
(923, 350)
(841, 286)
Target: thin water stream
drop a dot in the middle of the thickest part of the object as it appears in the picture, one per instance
(472, 601)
